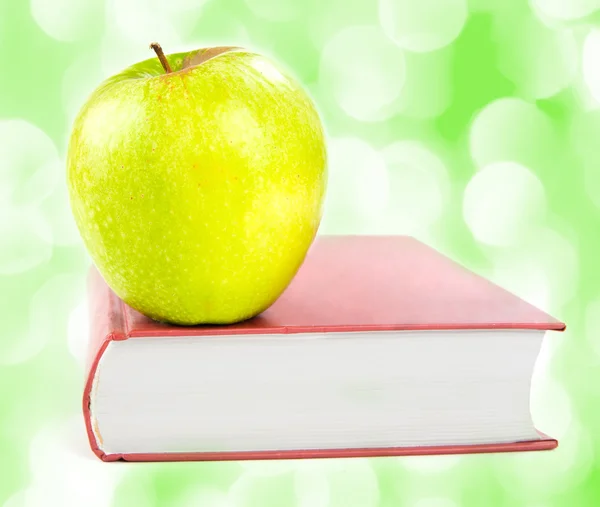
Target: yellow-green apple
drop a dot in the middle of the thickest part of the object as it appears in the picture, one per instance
(197, 183)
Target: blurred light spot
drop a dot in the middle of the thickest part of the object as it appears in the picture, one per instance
(22, 344)
(552, 472)
(202, 496)
(28, 497)
(231, 31)
(144, 21)
(548, 352)
(117, 51)
(311, 488)
(274, 10)
(539, 60)
(542, 269)
(267, 467)
(18, 499)
(502, 202)
(136, 489)
(262, 491)
(419, 186)
(424, 25)
(57, 211)
(352, 483)
(592, 325)
(584, 139)
(139, 22)
(47, 315)
(550, 406)
(564, 10)
(556, 251)
(511, 129)
(521, 274)
(182, 6)
(584, 143)
(28, 163)
(78, 333)
(79, 80)
(363, 71)
(67, 20)
(44, 181)
(430, 464)
(358, 187)
(589, 63)
(435, 502)
(427, 90)
(26, 240)
(327, 18)
(64, 472)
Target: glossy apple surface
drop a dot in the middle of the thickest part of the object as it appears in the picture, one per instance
(198, 192)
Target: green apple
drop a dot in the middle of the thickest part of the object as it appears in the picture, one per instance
(198, 184)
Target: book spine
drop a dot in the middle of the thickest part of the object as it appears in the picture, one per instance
(543, 444)
(107, 323)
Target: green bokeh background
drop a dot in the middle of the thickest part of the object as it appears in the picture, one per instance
(473, 125)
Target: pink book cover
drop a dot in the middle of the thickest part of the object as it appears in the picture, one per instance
(346, 283)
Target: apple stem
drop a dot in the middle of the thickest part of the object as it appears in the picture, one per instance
(161, 56)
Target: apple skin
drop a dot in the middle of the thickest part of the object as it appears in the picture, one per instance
(198, 192)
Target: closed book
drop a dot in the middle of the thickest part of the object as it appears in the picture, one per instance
(380, 346)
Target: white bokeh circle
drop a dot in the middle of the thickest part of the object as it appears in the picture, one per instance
(511, 129)
(274, 10)
(549, 351)
(67, 20)
(502, 202)
(267, 467)
(583, 142)
(424, 25)
(311, 487)
(430, 465)
(138, 22)
(435, 502)
(550, 406)
(592, 325)
(56, 210)
(251, 490)
(26, 240)
(590, 56)
(427, 90)
(556, 471)
(358, 187)
(23, 344)
(543, 268)
(136, 489)
(564, 10)
(18, 499)
(78, 333)
(45, 312)
(202, 496)
(29, 167)
(63, 470)
(363, 71)
(555, 248)
(522, 274)
(541, 61)
(155, 20)
(79, 80)
(117, 51)
(352, 483)
(419, 186)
